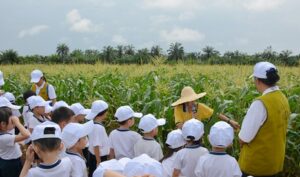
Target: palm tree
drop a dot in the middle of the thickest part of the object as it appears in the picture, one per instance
(9, 57)
(62, 51)
(108, 53)
(143, 56)
(120, 51)
(129, 50)
(176, 51)
(209, 51)
(156, 51)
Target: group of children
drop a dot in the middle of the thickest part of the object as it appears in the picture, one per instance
(71, 141)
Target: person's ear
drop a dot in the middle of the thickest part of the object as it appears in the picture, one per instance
(61, 146)
(3, 125)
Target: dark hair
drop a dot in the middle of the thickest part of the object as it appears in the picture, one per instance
(48, 144)
(5, 113)
(170, 152)
(124, 122)
(101, 113)
(28, 94)
(272, 77)
(62, 114)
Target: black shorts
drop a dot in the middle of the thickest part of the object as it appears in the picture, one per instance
(10, 168)
(92, 163)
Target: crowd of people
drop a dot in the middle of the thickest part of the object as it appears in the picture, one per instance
(71, 141)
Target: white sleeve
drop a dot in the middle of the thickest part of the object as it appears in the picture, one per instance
(254, 119)
(32, 122)
(236, 169)
(177, 163)
(8, 140)
(110, 141)
(51, 92)
(99, 172)
(199, 171)
(96, 140)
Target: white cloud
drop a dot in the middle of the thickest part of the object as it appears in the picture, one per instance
(182, 35)
(32, 31)
(261, 5)
(79, 24)
(188, 15)
(172, 4)
(119, 39)
(160, 19)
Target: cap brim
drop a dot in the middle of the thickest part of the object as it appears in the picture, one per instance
(87, 128)
(161, 121)
(14, 106)
(192, 98)
(35, 80)
(137, 115)
(84, 112)
(91, 116)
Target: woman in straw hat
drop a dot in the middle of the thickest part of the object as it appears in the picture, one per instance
(186, 107)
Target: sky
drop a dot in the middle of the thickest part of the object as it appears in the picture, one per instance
(38, 26)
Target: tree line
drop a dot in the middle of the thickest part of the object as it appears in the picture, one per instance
(127, 54)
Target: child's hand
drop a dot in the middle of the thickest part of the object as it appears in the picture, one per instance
(30, 154)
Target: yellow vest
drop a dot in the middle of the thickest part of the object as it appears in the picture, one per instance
(203, 112)
(264, 155)
(43, 92)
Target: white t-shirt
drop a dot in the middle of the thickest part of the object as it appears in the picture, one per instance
(168, 165)
(8, 148)
(187, 158)
(149, 147)
(78, 165)
(26, 113)
(255, 118)
(123, 141)
(34, 121)
(98, 137)
(217, 165)
(61, 168)
(51, 91)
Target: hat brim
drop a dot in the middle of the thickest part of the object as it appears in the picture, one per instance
(14, 107)
(161, 122)
(35, 80)
(137, 115)
(84, 112)
(87, 128)
(91, 116)
(188, 99)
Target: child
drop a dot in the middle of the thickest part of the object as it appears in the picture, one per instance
(79, 111)
(46, 143)
(147, 145)
(12, 99)
(74, 136)
(62, 116)
(98, 140)
(217, 163)
(37, 105)
(174, 142)
(26, 111)
(186, 158)
(10, 152)
(122, 140)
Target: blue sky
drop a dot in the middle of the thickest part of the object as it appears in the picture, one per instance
(37, 26)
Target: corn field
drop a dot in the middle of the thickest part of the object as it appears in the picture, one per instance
(152, 89)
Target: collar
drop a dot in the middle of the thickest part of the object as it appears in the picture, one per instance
(74, 153)
(43, 84)
(193, 146)
(123, 130)
(271, 89)
(99, 123)
(41, 121)
(4, 133)
(148, 139)
(217, 153)
(44, 166)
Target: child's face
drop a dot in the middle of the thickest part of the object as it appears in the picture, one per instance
(155, 131)
(79, 118)
(40, 110)
(131, 122)
(82, 142)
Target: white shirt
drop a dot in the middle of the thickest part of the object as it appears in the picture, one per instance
(149, 147)
(98, 137)
(51, 90)
(78, 165)
(187, 158)
(8, 148)
(26, 115)
(33, 121)
(255, 118)
(168, 165)
(61, 168)
(217, 165)
(123, 141)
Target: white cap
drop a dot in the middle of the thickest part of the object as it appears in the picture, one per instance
(142, 165)
(97, 107)
(193, 127)
(72, 132)
(4, 102)
(175, 139)
(36, 75)
(1, 78)
(221, 134)
(45, 131)
(48, 108)
(149, 122)
(35, 101)
(78, 109)
(10, 96)
(59, 104)
(261, 68)
(125, 112)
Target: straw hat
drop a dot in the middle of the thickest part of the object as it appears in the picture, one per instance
(188, 94)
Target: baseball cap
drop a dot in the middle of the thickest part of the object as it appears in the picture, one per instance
(221, 134)
(45, 131)
(4, 102)
(175, 139)
(72, 132)
(78, 109)
(149, 122)
(35, 101)
(36, 75)
(125, 112)
(261, 68)
(59, 104)
(1, 78)
(194, 128)
(97, 107)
